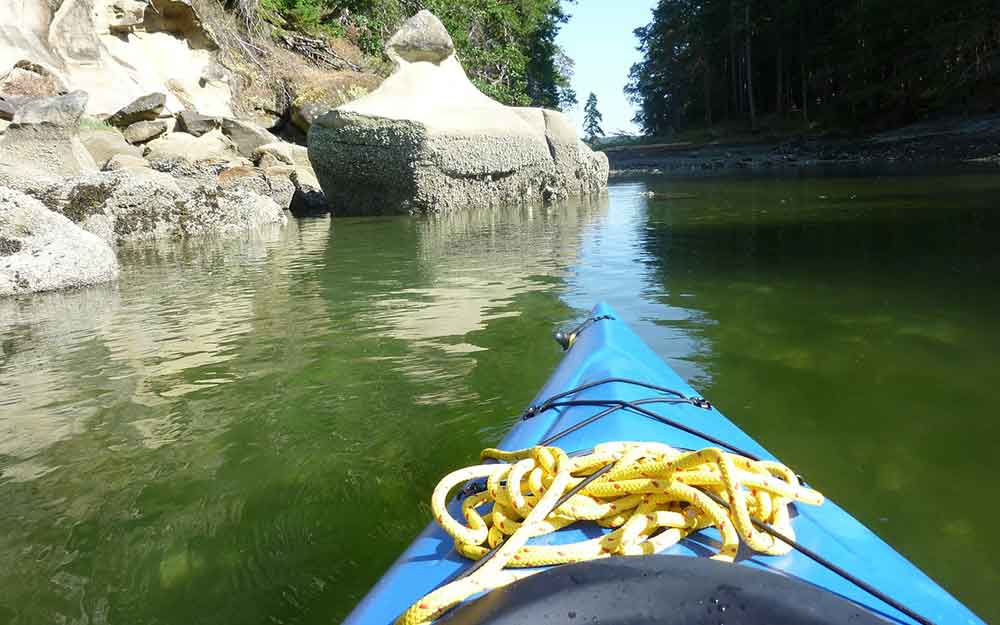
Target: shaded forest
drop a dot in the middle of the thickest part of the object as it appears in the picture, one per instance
(863, 64)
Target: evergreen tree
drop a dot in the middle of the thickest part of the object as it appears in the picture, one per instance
(592, 118)
(874, 63)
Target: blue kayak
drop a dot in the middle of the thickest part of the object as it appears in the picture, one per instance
(605, 348)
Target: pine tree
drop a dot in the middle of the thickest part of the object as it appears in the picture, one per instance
(592, 119)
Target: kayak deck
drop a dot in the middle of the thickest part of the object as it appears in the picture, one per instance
(609, 349)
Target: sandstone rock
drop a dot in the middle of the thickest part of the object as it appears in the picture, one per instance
(242, 178)
(124, 205)
(125, 161)
(308, 199)
(43, 142)
(211, 146)
(195, 123)
(327, 93)
(105, 143)
(141, 132)
(61, 111)
(43, 251)
(147, 107)
(26, 78)
(246, 136)
(266, 120)
(107, 49)
(274, 183)
(211, 210)
(279, 179)
(428, 140)
(271, 154)
(124, 15)
(139, 204)
(6, 110)
(421, 38)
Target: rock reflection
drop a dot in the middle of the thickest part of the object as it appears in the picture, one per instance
(473, 263)
(157, 335)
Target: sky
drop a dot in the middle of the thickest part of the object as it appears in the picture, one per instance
(598, 37)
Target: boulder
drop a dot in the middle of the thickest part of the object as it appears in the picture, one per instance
(125, 161)
(421, 38)
(62, 111)
(125, 15)
(327, 93)
(6, 110)
(272, 154)
(279, 179)
(31, 79)
(243, 178)
(147, 107)
(428, 140)
(123, 205)
(43, 251)
(212, 210)
(195, 123)
(106, 143)
(308, 200)
(139, 204)
(274, 182)
(144, 131)
(211, 146)
(43, 142)
(246, 136)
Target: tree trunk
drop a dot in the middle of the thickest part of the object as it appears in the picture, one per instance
(734, 81)
(779, 107)
(802, 59)
(749, 63)
(708, 94)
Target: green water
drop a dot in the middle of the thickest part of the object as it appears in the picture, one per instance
(247, 431)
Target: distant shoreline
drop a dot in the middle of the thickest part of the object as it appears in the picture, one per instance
(947, 142)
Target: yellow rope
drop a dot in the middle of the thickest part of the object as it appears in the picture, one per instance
(652, 497)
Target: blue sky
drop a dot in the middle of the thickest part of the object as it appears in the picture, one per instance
(599, 38)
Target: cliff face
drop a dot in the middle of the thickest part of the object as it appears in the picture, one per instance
(116, 51)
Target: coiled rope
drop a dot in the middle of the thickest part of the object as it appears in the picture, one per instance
(651, 495)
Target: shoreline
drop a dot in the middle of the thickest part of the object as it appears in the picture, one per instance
(965, 143)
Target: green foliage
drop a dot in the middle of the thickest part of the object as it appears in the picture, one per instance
(507, 46)
(592, 118)
(872, 63)
(92, 123)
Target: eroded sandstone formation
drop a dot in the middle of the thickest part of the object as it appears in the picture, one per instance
(428, 140)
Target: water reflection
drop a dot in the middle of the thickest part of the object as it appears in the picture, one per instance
(247, 430)
(180, 447)
(848, 323)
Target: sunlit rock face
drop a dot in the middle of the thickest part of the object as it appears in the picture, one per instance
(428, 141)
(116, 51)
(43, 251)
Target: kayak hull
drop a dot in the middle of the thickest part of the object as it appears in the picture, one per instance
(609, 349)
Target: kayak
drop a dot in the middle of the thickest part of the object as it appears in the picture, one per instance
(832, 576)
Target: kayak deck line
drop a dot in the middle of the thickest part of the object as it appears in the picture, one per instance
(555, 401)
(609, 350)
(650, 496)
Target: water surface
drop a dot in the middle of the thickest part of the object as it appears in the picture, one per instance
(248, 430)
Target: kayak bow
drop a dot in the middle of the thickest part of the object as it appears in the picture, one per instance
(609, 371)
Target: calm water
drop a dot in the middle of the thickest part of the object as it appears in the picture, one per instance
(247, 431)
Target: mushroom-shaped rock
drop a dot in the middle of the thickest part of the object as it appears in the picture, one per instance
(421, 38)
(428, 140)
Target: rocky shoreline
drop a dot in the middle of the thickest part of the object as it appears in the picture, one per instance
(76, 181)
(962, 142)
